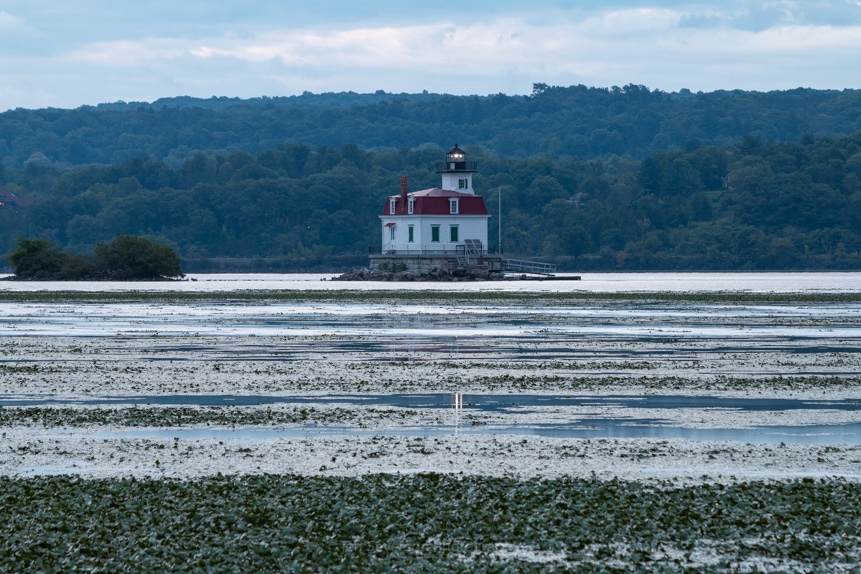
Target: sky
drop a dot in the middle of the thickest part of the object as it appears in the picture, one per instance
(56, 53)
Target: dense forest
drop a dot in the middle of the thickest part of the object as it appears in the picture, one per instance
(756, 205)
(729, 180)
(631, 121)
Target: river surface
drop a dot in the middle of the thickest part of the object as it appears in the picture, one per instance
(615, 416)
(784, 282)
(623, 340)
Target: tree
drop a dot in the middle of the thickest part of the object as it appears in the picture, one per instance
(39, 259)
(131, 257)
(123, 257)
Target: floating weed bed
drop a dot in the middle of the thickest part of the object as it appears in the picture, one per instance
(426, 523)
(54, 417)
(387, 297)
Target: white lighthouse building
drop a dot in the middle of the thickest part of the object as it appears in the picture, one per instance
(442, 228)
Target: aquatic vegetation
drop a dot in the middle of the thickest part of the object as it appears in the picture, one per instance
(326, 504)
(426, 523)
(52, 417)
(430, 297)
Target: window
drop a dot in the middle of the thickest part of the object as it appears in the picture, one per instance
(463, 184)
(435, 233)
(410, 234)
(392, 232)
(453, 230)
(392, 204)
(411, 206)
(452, 206)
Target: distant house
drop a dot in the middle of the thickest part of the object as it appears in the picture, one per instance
(10, 200)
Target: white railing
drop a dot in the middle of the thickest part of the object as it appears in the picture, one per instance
(523, 266)
(440, 249)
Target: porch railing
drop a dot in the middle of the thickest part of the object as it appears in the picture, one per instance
(439, 249)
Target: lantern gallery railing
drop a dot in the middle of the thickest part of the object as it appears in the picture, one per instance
(446, 166)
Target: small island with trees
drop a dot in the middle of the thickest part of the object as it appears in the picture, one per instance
(123, 258)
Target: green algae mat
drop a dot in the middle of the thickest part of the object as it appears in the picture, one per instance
(425, 523)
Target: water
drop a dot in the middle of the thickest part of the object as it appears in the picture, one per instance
(416, 319)
(784, 282)
(588, 429)
(485, 333)
(625, 422)
(491, 403)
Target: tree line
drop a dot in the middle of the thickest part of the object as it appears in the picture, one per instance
(632, 120)
(757, 204)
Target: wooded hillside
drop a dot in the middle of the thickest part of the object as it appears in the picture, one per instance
(632, 121)
(751, 206)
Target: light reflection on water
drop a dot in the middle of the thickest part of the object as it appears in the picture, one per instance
(776, 282)
(409, 320)
(414, 319)
(474, 402)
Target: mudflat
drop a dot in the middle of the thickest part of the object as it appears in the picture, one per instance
(433, 431)
(111, 385)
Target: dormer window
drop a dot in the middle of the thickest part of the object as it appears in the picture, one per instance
(393, 203)
(452, 206)
(411, 205)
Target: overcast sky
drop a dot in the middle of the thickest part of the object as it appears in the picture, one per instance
(66, 54)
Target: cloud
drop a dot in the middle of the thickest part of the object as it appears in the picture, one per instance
(619, 39)
(10, 22)
(662, 44)
(130, 53)
(759, 16)
(14, 27)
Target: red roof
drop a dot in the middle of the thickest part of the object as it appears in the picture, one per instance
(434, 201)
(9, 198)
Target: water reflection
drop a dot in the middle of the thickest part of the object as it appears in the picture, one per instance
(411, 322)
(770, 282)
(469, 402)
(613, 416)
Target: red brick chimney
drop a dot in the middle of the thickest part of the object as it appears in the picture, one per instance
(404, 190)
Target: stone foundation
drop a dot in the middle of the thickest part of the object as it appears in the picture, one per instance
(419, 264)
(394, 267)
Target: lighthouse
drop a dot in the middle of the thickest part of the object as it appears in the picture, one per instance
(436, 220)
(437, 229)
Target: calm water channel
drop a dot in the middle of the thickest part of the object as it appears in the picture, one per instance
(624, 423)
